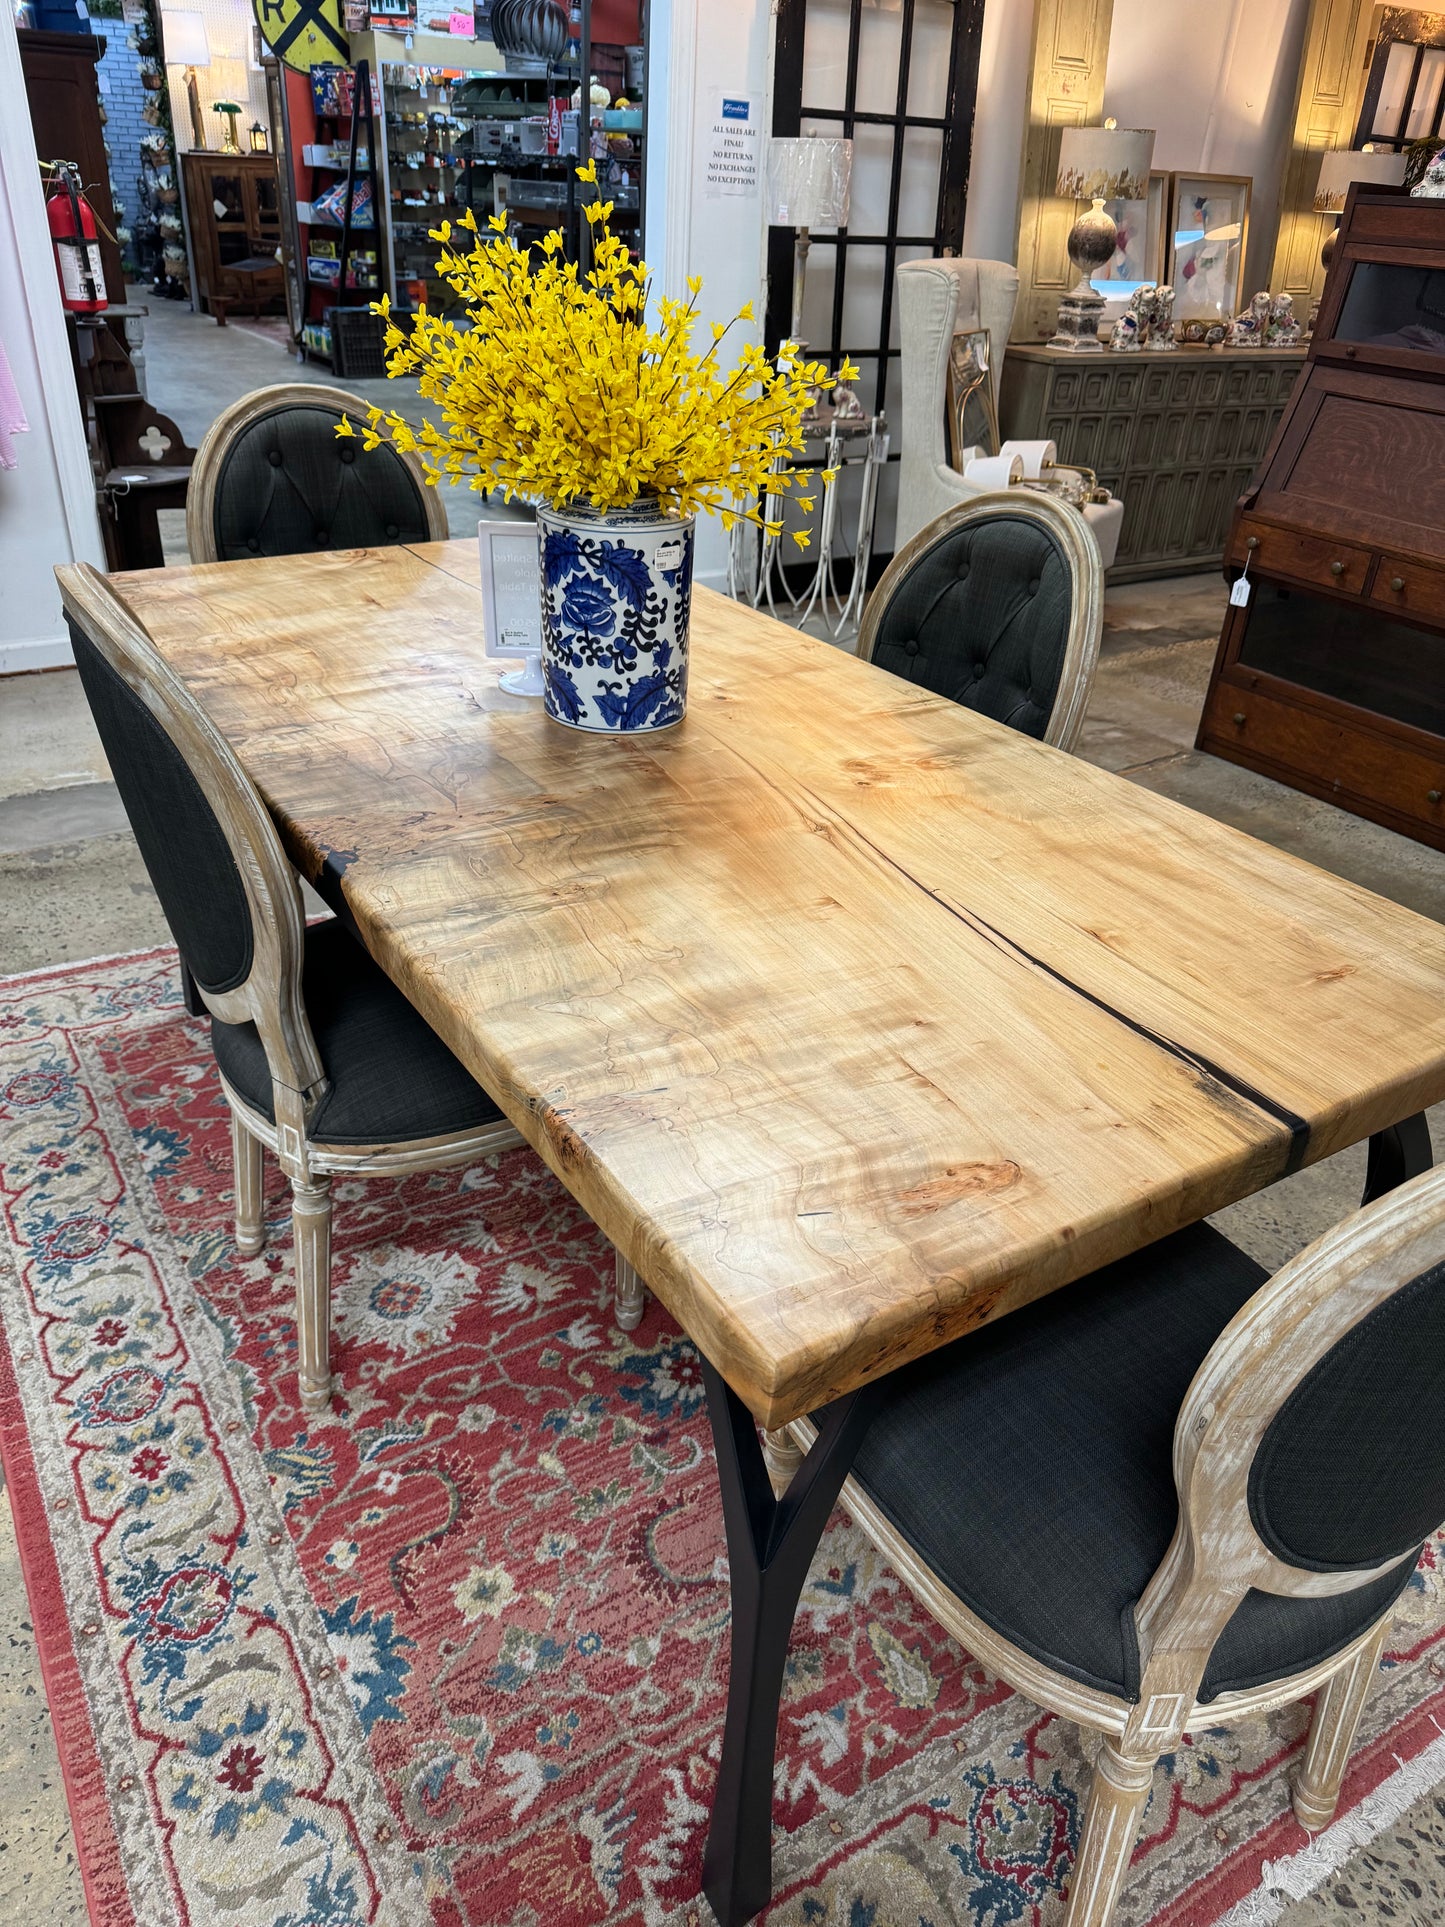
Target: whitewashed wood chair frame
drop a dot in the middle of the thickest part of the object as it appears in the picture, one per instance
(242, 415)
(1216, 1555)
(271, 996)
(1086, 590)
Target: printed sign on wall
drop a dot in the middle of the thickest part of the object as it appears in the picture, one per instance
(731, 171)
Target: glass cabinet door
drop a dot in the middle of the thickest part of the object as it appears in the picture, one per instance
(1390, 306)
(1353, 652)
(265, 202)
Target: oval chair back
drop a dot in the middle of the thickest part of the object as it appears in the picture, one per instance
(1308, 1455)
(998, 605)
(229, 895)
(273, 478)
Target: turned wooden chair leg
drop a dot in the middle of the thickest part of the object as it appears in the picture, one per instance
(1117, 1801)
(248, 1166)
(311, 1229)
(631, 1298)
(1316, 1791)
(782, 1457)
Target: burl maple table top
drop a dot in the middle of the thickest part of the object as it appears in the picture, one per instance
(854, 1019)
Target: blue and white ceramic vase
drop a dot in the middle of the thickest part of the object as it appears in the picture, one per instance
(616, 596)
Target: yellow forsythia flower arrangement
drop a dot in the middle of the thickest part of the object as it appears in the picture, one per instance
(563, 389)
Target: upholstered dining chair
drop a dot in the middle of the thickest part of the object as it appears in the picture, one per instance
(273, 478)
(997, 604)
(1177, 1494)
(322, 1059)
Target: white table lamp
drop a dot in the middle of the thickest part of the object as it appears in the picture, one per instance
(1341, 165)
(184, 38)
(1096, 164)
(808, 187)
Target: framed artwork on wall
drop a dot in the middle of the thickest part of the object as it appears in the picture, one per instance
(1208, 230)
(1141, 253)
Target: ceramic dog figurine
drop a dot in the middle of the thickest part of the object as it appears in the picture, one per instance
(1247, 330)
(1284, 328)
(1124, 336)
(1161, 325)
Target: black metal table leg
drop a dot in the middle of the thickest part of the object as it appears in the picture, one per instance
(190, 994)
(771, 1543)
(1397, 1155)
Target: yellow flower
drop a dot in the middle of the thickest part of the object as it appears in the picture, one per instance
(566, 386)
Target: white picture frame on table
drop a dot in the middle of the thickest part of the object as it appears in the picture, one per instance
(512, 602)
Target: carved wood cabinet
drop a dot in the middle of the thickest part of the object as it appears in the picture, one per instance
(1175, 434)
(233, 204)
(1332, 676)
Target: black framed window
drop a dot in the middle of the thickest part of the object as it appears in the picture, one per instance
(1404, 97)
(899, 80)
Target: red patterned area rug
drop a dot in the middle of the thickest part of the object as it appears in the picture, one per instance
(457, 1653)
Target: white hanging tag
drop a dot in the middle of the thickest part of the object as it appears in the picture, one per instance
(1239, 594)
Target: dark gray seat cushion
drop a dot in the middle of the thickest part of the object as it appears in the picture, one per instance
(1031, 1465)
(289, 486)
(392, 1077)
(983, 619)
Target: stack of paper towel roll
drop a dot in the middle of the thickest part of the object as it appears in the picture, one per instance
(1015, 462)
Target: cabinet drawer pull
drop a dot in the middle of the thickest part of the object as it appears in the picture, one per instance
(1337, 568)
(1239, 717)
(1432, 796)
(1397, 582)
(1253, 542)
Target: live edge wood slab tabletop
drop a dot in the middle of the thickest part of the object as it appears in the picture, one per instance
(854, 1019)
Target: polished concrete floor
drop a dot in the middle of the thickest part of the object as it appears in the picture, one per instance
(72, 886)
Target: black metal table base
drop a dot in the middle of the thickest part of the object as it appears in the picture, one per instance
(1397, 1155)
(771, 1543)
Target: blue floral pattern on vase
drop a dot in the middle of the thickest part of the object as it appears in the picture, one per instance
(616, 597)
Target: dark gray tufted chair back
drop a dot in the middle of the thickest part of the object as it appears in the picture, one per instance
(983, 618)
(185, 849)
(287, 485)
(1352, 1469)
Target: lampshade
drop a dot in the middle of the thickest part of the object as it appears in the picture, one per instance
(1341, 165)
(185, 39)
(808, 182)
(1105, 163)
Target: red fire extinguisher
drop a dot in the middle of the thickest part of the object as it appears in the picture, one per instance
(77, 247)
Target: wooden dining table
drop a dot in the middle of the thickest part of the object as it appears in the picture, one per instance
(854, 1019)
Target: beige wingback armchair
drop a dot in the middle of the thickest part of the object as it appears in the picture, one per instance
(935, 300)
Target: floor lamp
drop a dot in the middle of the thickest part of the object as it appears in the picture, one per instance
(184, 38)
(808, 182)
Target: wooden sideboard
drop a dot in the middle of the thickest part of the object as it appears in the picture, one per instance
(1331, 677)
(1176, 435)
